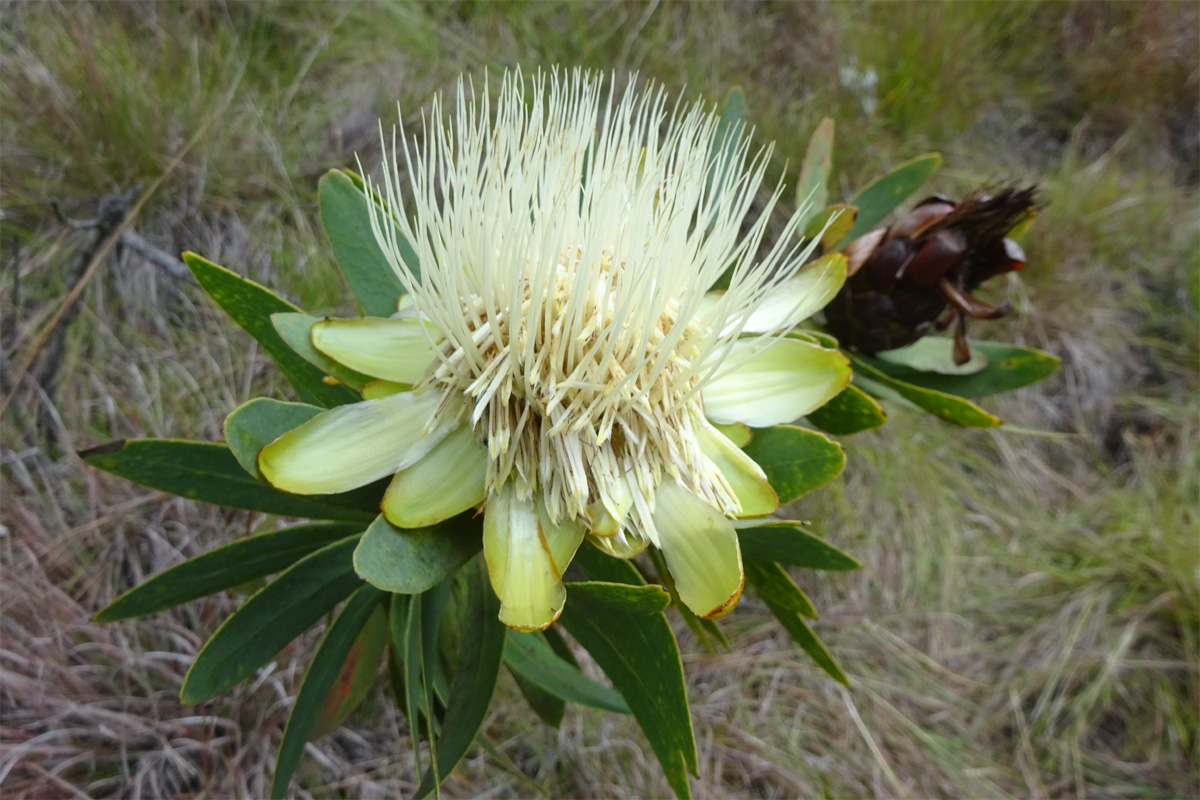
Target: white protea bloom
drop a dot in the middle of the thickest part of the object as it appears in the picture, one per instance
(558, 362)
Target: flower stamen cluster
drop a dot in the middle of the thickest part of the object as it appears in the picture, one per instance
(559, 361)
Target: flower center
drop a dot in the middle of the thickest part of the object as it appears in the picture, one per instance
(577, 395)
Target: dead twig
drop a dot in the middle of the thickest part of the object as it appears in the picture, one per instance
(133, 241)
(159, 258)
(102, 250)
(112, 211)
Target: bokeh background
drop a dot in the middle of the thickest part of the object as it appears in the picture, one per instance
(1026, 623)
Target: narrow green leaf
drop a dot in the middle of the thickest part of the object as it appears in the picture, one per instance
(630, 648)
(940, 404)
(795, 459)
(531, 657)
(882, 196)
(224, 568)
(648, 599)
(295, 328)
(356, 676)
(560, 647)
(321, 680)
(729, 135)
(434, 603)
(474, 681)
(251, 306)
(812, 186)
(774, 583)
(347, 220)
(282, 610)
(789, 543)
(420, 695)
(209, 473)
(405, 665)
(549, 707)
(850, 411)
(412, 560)
(1008, 367)
(792, 622)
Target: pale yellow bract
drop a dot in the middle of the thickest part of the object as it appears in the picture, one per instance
(558, 362)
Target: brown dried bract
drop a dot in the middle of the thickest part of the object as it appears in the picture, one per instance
(918, 273)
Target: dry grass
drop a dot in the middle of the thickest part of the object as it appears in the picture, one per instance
(1028, 621)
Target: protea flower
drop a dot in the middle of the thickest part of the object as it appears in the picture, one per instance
(558, 363)
(919, 272)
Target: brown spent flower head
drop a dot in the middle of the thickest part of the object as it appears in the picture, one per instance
(918, 273)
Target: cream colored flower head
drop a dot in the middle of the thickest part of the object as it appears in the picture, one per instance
(558, 362)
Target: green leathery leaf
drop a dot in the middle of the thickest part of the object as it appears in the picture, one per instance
(629, 647)
(831, 224)
(434, 602)
(410, 644)
(941, 404)
(347, 220)
(251, 306)
(356, 676)
(256, 423)
(772, 581)
(796, 460)
(788, 542)
(549, 707)
(530, 656)
(275, 615)
(412, 560)
(729, 135)
(932, 354)
(327, 679)
(405, 663)
(295, 327)
(559, 645)
(850, 411)
(647, 599)
(793, 623)
(209, 473)
(883, 195)
(812, 185)
(1008, 367)
(224, 568)
(474, 681)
